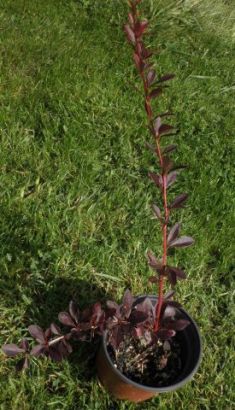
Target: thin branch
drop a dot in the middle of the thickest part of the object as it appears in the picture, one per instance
(138, 47)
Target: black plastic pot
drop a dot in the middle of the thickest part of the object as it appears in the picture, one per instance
(125, 389)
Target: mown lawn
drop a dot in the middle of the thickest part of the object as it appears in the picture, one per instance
(75, 198)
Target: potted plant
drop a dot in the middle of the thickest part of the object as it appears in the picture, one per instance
(149, 344)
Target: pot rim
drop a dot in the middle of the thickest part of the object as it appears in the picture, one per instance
(171, 387)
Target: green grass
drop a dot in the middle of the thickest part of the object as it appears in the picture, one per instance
(75, 198)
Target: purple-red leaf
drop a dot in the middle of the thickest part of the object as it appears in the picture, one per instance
(181, 324)
(178, 272)
(116, 337)
(166, 77)
(157, 179)
(47, 333)
(167, 164)
(37, 333)
(169, 148)
(155, 92)
(151, 77)
(140, 28)
(97, 311)
(66, 319)
(146, 305)
(138, 62)
(137, 316)
(12, 349)
(157, 125)
(181, 242)
(24, 344)
(38, 350)
(127, 303)
(173, 234)
(177, 325)
(64, 348)
(67, 346)
(157, 211)
(166, 129)
(165, 334)
(171, 178)
(154, 263)
(168, 310)
(74, 311)
(130, 34)
(55, 354)
(131, 19)
(179, 201)
(172, 277)
(138, 332)
(112, 305)
(55, 329)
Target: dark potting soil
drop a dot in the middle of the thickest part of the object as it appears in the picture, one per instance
(154, 366)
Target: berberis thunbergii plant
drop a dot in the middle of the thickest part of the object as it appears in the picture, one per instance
(139, 332)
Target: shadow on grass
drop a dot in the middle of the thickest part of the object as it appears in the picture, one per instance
(47, 303)
(35, 294)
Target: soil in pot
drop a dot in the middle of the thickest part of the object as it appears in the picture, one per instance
(154, 366)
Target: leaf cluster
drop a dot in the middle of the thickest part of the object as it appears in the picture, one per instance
(119, 320)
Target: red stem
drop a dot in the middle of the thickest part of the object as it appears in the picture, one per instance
(164, 187)
(164, 259)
